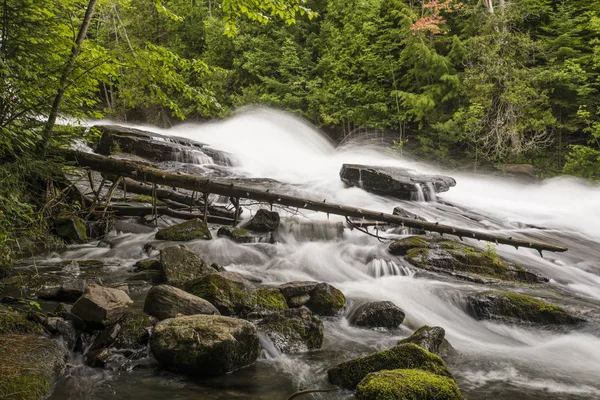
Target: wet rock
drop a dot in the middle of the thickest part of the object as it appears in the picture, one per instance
(263, 221)
(377, 314)
(407, 384)
(401, 212)
(516, 307)
(135, 331)
(64, 328)
(98, 229)
(326, 300)
(188, 230)
(298, 301)
(180, 265)
(30, 365)
(101, 306)
(293, 330)
(217, 267)
(165, 301)
(459, 260)
(151, 276)
(403, 356)
(269, 299)
(70, 228)
(297, 288)
(431, 339)
(238, 235)
(401, 183)
(148, 264)
(229, 292)
(68, 292)
(203, 345)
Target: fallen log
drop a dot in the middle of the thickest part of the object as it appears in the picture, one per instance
(145, 173)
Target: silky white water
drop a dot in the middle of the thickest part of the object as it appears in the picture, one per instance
(495, 360)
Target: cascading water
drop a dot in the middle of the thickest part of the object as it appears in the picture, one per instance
(495, 360)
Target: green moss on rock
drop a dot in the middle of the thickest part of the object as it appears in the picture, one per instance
(221, 289)
(71, 229)
(270, 299)
(500, 305)
(402, 246)
(16, 322)
(402, 356)
(293, 330)
(326, 300)
(407, 384)
(189, 230)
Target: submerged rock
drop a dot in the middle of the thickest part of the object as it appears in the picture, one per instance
(402, 356)
(64, 328)
(516, 307)
(71, 229)
(203, 345)
(401, 183)
(263, 221)
(180, 265)
(188, 230)
(457, 259)
(326, 300)
(377, 314)
(401, 384)
(293, 330)
(431, 339)
(165, 301)
(30, 365)
(101, 306)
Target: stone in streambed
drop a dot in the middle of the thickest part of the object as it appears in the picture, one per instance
(298, 301)
(68, 292)
(431, 339)
(238, 235)
(165, 301)
(377, 314)
(204, 345)
(263, 221)
(293, 330)
(180, 265)
(189, 230)
(71, 229)
(401, 384)
(297, 288)
(326, 300)
(101, 306)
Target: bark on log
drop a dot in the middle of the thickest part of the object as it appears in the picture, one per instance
(145, 173)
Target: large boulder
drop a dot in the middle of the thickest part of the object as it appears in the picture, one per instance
(30, 365)
(263, 221)
(431, 339)
(293, 330)
(403, 384)
(377, 314)
(180, 265)
(401, 183)
(403, 356)
(326, 300)
(71, 229)
(165, 301)
(188, 230)
(517, 307)
(101, 306)
(461, 261)
(203, 345)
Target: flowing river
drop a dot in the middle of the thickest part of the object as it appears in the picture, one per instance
(494, 360)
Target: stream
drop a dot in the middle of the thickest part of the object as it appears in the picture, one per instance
(494, 360)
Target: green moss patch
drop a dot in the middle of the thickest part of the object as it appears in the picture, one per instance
(270, 299)
(189, 230)
(16, 322)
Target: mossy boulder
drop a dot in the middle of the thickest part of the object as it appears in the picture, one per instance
(263, 221)
(71, 229)
(165, 301)
(517, 307)
(238, 235)
(326, 300)
(229, 292)
(189, 230)
(293, 330)
(17, 322)
(402, 356)
(407, 384)
(431, 339)
(377, 314)
(459, 260)
(30, 365)
(270, 299)
(203, 345)
(135, 331)
(180, 265)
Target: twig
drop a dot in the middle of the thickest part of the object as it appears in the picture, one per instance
(307, 391)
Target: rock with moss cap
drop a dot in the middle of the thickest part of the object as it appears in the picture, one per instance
(71, 229)
(189, 230)
(263, 221)
(402, 356)
(165, 301)
(180, 265)
(269, 299)
(431, 339)
(148, 264)
(238, 235)
(30, 365)
(459, 260)
(297, 288)
(326, 300)
(229, 292)
(100, 306)
(517, 307)
(377, 314)
(407, 384)
(203, 345)
(294, 330)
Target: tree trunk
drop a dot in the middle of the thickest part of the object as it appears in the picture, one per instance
(66, 72)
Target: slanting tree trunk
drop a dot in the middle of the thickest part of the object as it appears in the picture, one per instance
(145, 173)
(490, 5)
(66, 72)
